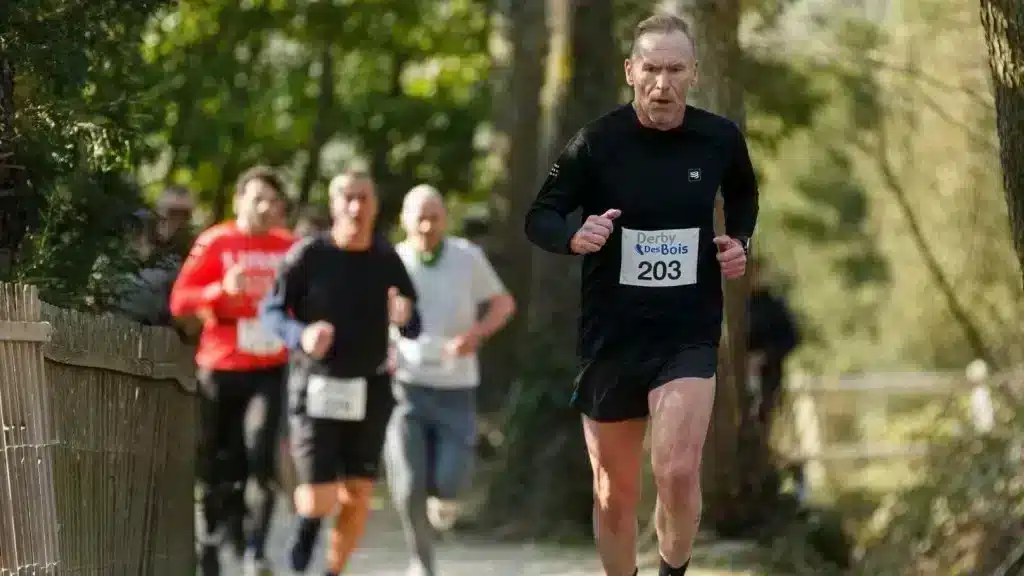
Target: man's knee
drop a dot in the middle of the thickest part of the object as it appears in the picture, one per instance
(680, 415)
(682, 470)
(616, 497)
(356, 492)
(616, 451)
(316, 500)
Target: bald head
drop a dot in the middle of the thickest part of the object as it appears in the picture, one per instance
(424, 217)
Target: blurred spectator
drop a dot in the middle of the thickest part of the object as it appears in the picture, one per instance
(145, 294)
(174, 209)
(773, 336)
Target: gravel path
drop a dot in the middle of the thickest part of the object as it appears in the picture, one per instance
(383, 554)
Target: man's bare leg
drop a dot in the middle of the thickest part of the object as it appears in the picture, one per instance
(616, 456)
(313, 502)
(354, 495)
(680, 415)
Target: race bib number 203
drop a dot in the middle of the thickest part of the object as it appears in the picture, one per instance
(659, 258)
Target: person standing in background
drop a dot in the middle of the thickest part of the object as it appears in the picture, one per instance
(774, 335)
(428, 453)
(174, 209)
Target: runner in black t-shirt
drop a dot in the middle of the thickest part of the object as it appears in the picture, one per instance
(646, 177)
(333, 302)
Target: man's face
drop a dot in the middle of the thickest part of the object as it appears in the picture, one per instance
(425, 222)
(171, 221)
(354, 204)
(279, 214)
(255, 204)
(661, 72)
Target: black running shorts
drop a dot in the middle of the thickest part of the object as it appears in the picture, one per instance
(614, 385)
(332, 450)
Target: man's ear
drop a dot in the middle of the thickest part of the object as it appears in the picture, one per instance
(628, 67)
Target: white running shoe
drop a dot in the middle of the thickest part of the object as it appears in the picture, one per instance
(442, 513)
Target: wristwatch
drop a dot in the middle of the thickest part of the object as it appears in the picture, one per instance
(745, 242)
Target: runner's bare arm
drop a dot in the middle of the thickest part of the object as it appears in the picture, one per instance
(559, 196)
(197, 289)
(739, 191)
(276, 309)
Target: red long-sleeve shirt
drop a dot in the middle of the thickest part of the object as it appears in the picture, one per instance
(232, 339)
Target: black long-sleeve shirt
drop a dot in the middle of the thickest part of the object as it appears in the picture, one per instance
(349, 289)
(657, 278)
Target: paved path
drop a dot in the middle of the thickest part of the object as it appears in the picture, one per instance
(383, 554)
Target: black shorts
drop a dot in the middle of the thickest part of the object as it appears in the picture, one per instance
(240, 415)
(332, 450)
(614, 385)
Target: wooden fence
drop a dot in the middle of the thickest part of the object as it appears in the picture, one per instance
(841, 425)
(98, 421)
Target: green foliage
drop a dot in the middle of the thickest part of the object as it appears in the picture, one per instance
(410, 93)
(78, 256)
(78, 103)
(961, 519)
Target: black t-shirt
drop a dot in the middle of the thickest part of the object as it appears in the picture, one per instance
(657, 279)
(349, 289)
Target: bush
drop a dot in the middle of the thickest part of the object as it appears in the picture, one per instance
(541, 481)
(966, 516)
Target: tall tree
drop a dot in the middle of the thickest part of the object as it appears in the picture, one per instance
(1003, 21)
(71, 93)
(595, 75)
(519, 49)
(543, 432)
(13, 203)
(737, 456)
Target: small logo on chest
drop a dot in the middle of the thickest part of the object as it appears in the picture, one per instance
(693, 174)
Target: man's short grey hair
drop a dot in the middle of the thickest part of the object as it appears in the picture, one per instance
(339, 182)
(662, 23)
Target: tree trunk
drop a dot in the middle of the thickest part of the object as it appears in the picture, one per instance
(1003, 21)
(543, 433)
(321, 127)
(593, 87)
(737, 459)
(520, 48)
(391, 185)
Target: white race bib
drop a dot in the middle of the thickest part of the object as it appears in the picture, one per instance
(426, 352)
(336, 398)
(659, 258)
(253, 339)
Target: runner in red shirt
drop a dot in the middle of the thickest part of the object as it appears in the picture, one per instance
(241, 366)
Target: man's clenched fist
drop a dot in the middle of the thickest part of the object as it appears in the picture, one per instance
(317, 339)
(594, 232)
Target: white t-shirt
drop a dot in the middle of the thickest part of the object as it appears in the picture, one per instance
(450, 293)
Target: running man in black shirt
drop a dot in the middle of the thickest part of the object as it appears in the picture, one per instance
(645, 176)
(335, 297)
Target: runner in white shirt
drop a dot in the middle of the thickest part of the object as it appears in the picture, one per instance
(430, 439)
